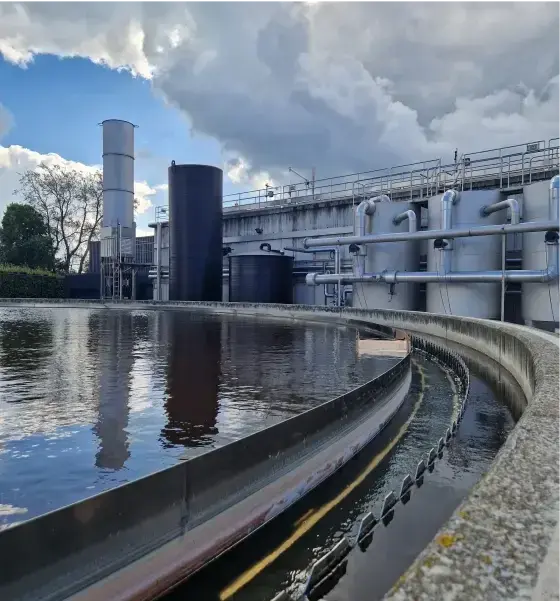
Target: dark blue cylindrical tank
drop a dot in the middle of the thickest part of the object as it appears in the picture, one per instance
(195, 222)
(261, 277)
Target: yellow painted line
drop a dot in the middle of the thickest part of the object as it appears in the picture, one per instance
(308, 522)
(302, 519)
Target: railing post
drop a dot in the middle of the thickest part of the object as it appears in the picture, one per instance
(501, 173)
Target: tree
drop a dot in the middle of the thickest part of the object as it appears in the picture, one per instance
(24, 239)
(70, 203)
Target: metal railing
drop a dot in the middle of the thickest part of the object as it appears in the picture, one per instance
(506, 167)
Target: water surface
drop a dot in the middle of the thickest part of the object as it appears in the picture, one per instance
(93, 398)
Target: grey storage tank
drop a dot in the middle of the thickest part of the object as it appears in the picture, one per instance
(261, 277)
(539, 301)
(391, 256)
(467, 254)
(195, 222)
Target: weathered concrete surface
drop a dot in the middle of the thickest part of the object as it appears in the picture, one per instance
(500, 543)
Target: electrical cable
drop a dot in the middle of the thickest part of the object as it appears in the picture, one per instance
(447, 289)
(448, 298)
(365, 305)
(438, 255)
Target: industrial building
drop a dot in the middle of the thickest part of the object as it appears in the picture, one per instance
(477, 238)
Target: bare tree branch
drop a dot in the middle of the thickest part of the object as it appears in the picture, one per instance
(71, 204)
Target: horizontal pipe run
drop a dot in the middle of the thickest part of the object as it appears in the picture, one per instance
(486, 230)
(397, 277)
(307, 250)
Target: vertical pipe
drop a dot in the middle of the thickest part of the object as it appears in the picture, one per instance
(337, 270)
(503, 294)
(158, 260)
(364, 209)
(448, 199)
(120, 260)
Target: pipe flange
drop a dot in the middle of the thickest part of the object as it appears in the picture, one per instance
(311, 279)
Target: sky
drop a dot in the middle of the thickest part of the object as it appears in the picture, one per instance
(257, 88)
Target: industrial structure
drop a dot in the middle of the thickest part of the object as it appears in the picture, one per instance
(118, 232)
(477, 238)
(435, 248)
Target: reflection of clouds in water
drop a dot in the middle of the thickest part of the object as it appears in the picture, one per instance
(10, 510)
(43, 384)
(7, 512)
(141, 389)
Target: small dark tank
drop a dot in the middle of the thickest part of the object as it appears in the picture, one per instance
(263, 276)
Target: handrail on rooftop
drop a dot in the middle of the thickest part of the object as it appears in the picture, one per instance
(417, 178)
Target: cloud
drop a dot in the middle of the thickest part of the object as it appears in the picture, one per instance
(148, 231)
(239, 171)
(342, 87)
(14, 160)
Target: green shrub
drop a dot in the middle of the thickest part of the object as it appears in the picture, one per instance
(22, 282)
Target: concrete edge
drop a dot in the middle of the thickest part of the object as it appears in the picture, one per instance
(499, 544)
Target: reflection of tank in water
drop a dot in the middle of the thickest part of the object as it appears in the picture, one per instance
(111, 345)
(192, 381)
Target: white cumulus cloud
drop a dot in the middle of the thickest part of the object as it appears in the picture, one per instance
(339, 86)
(15, 160)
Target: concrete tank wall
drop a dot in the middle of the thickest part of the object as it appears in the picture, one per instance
(539, 301)
(394, 256)
(468, 254)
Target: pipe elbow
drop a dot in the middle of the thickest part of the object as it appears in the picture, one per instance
(509, 203)
(366, 207)
(412, 219)
(555, 183)
(514, 208)
(450, 196)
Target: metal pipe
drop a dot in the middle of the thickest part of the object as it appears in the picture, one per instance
(337, 264)
(158, 260)
(554, 199)
(503, 290)
(483, 230)
(509, 203)
(412, 220)
(448, 199)
(513, 206)
(307, 250)
(397, 277)
(363, 210)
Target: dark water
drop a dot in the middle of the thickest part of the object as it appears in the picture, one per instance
(279, 556)
(93, 398)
